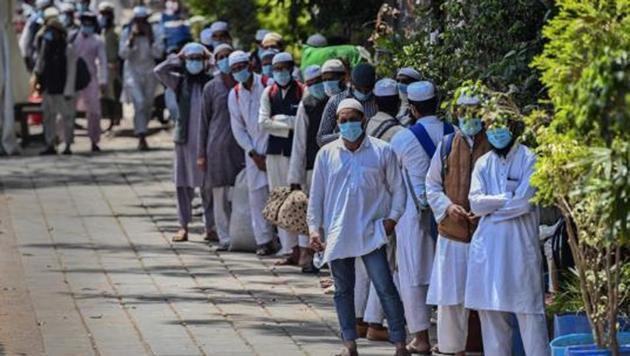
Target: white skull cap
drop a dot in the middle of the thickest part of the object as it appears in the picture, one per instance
(386, 87)
(238, 57)
(421, 91)
(333, 66)
(410, 72)
(350, 104)
(282, 57)
(312, 72)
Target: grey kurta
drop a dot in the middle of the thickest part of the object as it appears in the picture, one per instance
(224, 157)
(185, 171)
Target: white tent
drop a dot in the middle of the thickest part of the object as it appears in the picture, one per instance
(14, 85)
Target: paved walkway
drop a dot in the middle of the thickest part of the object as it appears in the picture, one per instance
(87, 268)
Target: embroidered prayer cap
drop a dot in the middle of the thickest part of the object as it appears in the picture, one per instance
(350, 104)
(421, 91)
(386, 87)
(272, 39)
(50, 13)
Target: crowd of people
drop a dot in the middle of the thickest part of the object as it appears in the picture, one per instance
(408, 210)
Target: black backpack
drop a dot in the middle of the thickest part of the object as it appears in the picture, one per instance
(83, 77)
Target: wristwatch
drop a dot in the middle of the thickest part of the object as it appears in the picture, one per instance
(251, 153)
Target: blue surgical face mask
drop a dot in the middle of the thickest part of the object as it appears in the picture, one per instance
(48, 36)
(282, 77)
(499, 137)
(317, 90)
(242, 76)
(88, 29)
(260, 52)
(351, 130)
(470, 127)
(224, 65)
(332, 87)
(267, 69)
(360, 96)
(402, 88)
(194, 66)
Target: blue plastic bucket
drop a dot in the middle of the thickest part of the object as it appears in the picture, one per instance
(560, 346)
(577, 323)
(570, 323)
(592, 350)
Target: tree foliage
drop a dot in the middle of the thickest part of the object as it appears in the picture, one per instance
(456, 40)
(584, 148)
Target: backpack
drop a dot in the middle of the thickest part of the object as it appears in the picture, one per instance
(384, 127)
(425, 140)
(83, 76)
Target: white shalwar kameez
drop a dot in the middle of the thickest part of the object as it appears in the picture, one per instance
(244, 109)
(505, 262)
(448, 278)
(414, 244)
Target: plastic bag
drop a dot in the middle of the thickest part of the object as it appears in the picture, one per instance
(241, 231)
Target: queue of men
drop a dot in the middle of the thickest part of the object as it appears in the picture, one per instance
(407, 210)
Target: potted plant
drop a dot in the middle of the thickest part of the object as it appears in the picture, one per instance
(584, 150)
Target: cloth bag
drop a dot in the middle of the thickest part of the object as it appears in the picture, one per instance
(276, 198)
(292, 213)
(286, 209)
(241, 231)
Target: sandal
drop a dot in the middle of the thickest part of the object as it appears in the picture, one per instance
(180, 236)
(412, 349)
(211, 236)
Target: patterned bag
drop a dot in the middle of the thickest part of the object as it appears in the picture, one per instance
(276, 199)
(292, 213)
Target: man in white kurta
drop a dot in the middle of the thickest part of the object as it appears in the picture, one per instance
(448, 277)
(356, 198)
(278, 107)
(505, 263)
(244, 104)
(414, 243)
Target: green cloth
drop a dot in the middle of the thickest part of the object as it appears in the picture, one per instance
(319, 55)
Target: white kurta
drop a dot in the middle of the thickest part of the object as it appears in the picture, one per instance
(244, 110)
(352, 193)
(297, 164)
(505, 262)
(414, 250)
(448, 278)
